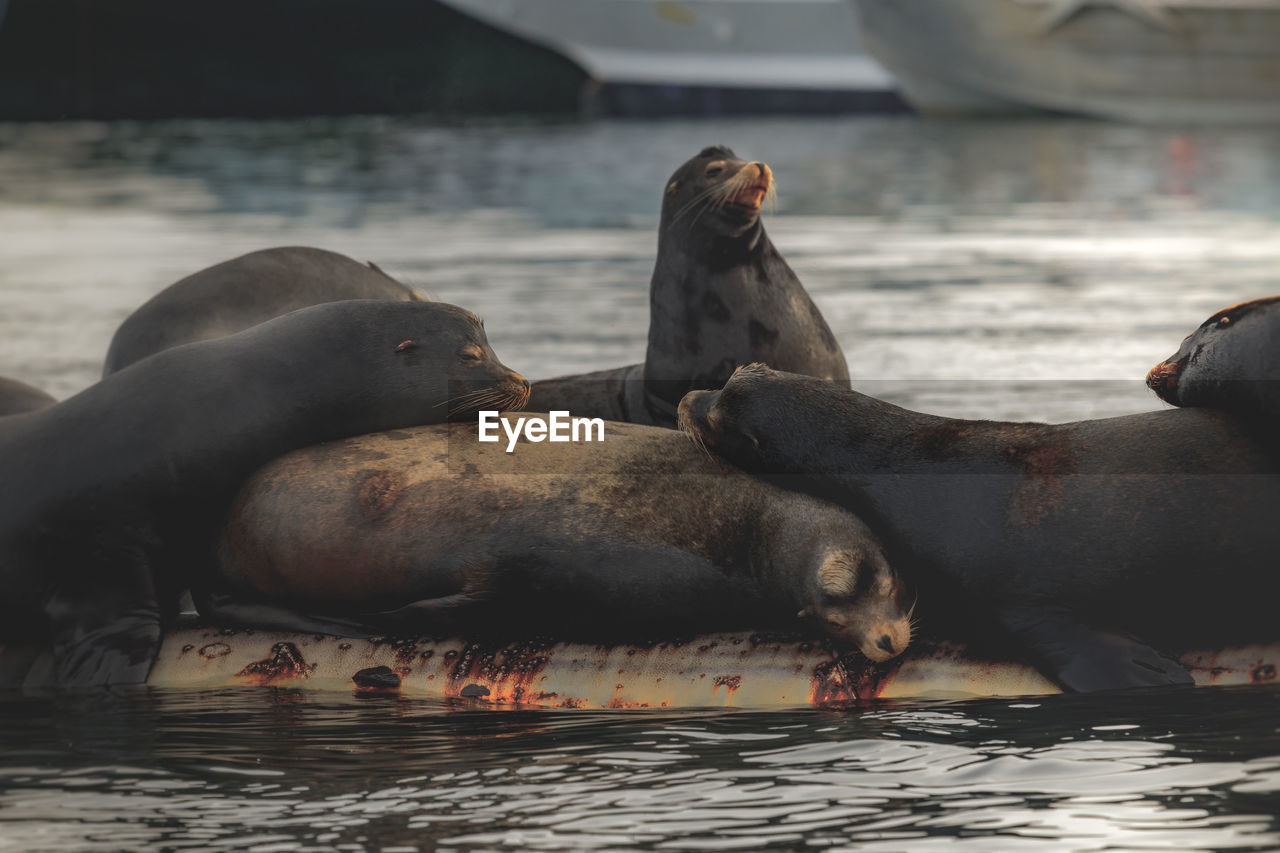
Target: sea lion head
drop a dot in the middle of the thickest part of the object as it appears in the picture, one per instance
(716, 192)
(460, 349)
(1228, 346)
(857, 597)
(394, 364)
(850, 588)
(738, 421)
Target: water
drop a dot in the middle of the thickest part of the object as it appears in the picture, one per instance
(1025, 270)
(283, 770)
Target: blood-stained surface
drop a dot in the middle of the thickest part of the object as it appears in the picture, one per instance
(724, 670)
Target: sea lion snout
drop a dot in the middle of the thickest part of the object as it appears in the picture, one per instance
(1163, 379)
(750, 186)
(490, 385)
(721, 419)
(880, 639)
(861, 600)
(693, 415)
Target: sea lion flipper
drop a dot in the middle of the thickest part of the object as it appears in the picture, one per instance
(227, 611)
(104, 635)
(430, 615)
(112, 655)
(1113, 662)
(104, 620)
(1083, 659)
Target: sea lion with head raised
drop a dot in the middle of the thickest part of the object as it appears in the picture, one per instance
(245, 291)
(110, 495)
(640, 536)
(1061, 540)
(721, 296)
(1232, 362)
(18, 397)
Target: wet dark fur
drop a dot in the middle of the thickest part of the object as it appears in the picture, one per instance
(721, 296)
(18, 397)
(1231, 362)
(109, 496)
(242, 292)
(1057, 540)
(643, 536)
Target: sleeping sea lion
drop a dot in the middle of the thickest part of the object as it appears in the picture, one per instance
(1231, 362)
(245, 291)
(1080, 545)
(639, 536)
(111, 494)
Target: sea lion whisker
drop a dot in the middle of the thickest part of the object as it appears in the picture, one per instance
(519, 399)
(480, 393)
(506, 400)
(477, 400)
(697, 199)
(727, 191)
(456, 400)
(473, 405)
(697, 440)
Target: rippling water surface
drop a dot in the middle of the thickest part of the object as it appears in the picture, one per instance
(282, 770)
(1025, 270)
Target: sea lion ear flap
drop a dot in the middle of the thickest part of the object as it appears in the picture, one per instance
(404, 345)
(672, 187)
(838, 576)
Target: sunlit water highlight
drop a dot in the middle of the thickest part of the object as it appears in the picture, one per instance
(971, 269)
(282, 770)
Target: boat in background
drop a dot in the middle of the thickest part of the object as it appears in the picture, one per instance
(703, 57)
(1147, 61)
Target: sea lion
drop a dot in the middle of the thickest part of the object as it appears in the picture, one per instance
(18, 397)
(721, 296)
(1231, 362)
(639, 536)
(245, 291)
(110, 494)
(1058, 538)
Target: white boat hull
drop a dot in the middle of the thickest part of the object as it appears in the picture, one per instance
(804, 46)
(1147, 61)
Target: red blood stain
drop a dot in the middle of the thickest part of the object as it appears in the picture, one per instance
(509, 672)
(285, 663)
(851, 678)
(729, 682)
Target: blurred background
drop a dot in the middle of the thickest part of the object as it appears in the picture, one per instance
(1005, 208)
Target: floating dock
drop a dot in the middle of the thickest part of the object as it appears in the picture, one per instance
(740, 670)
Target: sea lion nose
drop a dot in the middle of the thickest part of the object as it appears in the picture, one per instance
(885, 644)
(1163, 379)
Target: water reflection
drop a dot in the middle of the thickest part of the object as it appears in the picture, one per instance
(280, 770)
(938, 252)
